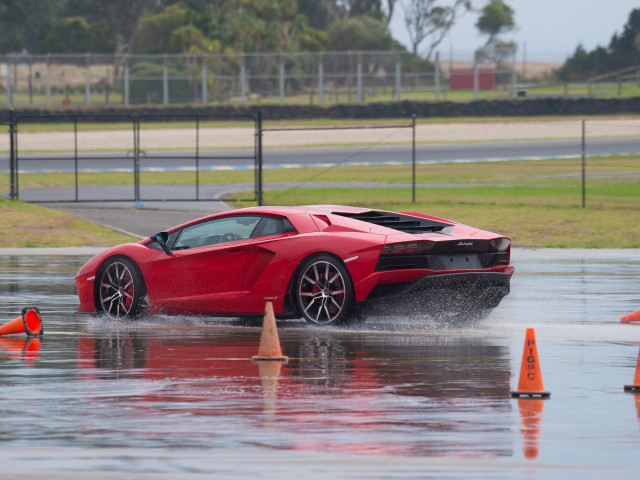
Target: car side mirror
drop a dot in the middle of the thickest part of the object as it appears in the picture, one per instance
(161, 239)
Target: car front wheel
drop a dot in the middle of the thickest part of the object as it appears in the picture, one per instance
(121, 292)
(324, 291)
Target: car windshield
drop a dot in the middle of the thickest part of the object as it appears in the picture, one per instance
(217, 230)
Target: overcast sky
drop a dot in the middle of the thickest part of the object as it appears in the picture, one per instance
(549, 30)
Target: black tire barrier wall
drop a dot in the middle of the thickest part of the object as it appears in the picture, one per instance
(479, 108)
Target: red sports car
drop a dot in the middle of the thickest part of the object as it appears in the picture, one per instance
(326, 263)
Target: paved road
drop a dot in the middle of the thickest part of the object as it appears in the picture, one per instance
(287, 157)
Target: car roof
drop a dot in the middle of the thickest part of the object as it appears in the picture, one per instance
(404, 222)
(288, 210)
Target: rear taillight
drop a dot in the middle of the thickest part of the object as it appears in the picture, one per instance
(500, 244)
(407, 248)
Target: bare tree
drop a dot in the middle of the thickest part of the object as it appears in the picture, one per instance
(431, 20)
(390, 5)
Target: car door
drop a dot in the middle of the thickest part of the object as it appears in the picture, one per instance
(206, 267)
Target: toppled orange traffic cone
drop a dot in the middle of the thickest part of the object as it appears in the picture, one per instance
(269, 349)
(631, 317)
(635, 388)
(29, 322)
(530, 384)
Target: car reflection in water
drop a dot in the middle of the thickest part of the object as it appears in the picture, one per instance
(340, 391)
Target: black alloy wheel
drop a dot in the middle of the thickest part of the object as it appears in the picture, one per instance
(324, 291)
(121, 291)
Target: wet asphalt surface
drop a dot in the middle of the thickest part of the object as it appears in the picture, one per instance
(396, 397)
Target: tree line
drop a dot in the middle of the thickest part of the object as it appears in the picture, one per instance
(623, 52)
(202, 26)
(233, 26)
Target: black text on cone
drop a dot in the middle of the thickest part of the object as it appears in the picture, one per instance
(530, 383)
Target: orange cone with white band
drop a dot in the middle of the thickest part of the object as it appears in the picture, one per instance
(29, 322)
(530, 384)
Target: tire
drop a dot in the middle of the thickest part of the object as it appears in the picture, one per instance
(121, 291)
(324, 291)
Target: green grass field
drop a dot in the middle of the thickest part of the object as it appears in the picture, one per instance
(27, 226)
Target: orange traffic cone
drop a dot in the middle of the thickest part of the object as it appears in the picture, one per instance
(635, 388)
(530, 384)
(269, 342)
(29, 322)
(631, 317)
(531, 414)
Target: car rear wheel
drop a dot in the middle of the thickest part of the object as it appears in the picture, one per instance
(324, 291)
(121, 292)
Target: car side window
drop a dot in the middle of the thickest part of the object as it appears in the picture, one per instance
(268, 226)
(217, 230)
(273, 226)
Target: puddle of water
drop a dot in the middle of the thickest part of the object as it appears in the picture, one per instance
(404, 389)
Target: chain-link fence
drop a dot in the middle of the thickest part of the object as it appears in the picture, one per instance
(300, 78)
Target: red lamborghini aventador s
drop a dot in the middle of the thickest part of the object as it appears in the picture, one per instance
(326, 263)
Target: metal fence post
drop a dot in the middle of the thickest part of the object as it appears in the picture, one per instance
(9, 86)
(398, 82)
(243, 73)
(165, 82)
(359, 78)
(281, 79)
(413, 157)
(87, 88)
(75, 152)
(320, 79)
(584, 165)
(13, 167)
(48, 79)
(259, 156)
(136, 163)
(475, 75)
(513, 73)
(197, 157)
(204, 80)
(437, 75)
(126, 81)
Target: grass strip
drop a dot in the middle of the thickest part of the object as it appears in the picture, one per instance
(23, 226)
